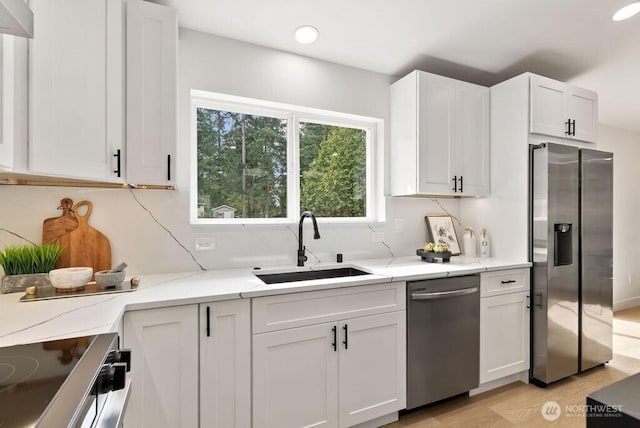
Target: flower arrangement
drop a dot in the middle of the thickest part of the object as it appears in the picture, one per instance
(434, 253)
(432, 247)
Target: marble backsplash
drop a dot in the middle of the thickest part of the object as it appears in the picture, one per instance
(150, 230)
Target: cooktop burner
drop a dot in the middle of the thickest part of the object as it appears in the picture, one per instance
(31, 375)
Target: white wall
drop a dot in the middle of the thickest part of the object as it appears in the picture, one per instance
(625, 146)
(236, 68)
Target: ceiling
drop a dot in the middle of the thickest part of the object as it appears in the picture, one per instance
(481, 41)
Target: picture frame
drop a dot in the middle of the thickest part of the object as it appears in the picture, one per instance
(442, 230)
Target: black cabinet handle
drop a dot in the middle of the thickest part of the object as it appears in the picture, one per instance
(334, 329)
(509, 281)
(168, 167)
(573, 131)
(461, 184)
(528, 302)
(346, 336)
(568, 124)
(208, 321)
(455, 183)
(117, 156)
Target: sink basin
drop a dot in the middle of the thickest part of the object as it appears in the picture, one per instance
(307, 275)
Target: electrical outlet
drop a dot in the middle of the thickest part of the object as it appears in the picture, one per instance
(205, 244)
(399, 223)
(377, 236)
(630, 280)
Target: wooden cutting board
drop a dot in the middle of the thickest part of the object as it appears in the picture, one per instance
(56, 230)
(88, 246)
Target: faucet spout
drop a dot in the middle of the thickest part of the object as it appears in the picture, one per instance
(316, 235)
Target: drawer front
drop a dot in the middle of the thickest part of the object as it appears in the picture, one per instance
(504, 282)
(274, 313)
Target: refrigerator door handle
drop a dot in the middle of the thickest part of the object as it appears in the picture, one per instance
(538, 305)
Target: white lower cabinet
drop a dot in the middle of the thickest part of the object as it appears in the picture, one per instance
(164, 367)
(332, 374)
(295, 378)
(189, 369)
(504, 324)
(372, 368)
(225, 364)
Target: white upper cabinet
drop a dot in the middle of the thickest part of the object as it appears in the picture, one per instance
(152, 44)
(562, 110)
(439, 136)
(14, 127)
(472, 139)
(76, 89)
(6, 103)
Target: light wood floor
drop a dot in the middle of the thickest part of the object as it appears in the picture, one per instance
(519, 404)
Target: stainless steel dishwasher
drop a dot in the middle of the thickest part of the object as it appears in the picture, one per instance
(443, 338)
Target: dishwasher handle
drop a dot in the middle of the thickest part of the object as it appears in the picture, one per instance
(443, 294)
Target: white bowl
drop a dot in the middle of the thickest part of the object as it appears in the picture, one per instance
(70, 278)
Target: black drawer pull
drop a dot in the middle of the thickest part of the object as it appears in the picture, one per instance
(334, 329)
(118, 157)
(346, 337)
(208, 321)
(509, 281)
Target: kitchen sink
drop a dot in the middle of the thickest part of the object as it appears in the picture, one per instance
(307, 275)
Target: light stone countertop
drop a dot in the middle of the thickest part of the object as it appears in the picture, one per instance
(29, 322)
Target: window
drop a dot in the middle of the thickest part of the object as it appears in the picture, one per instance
(261, 162)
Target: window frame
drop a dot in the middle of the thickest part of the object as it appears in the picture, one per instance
(294, 115)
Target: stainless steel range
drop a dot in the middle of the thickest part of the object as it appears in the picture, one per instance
(77, 382)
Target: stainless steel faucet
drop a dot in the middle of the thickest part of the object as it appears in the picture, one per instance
(316, 235)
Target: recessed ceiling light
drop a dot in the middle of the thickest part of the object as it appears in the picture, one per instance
(627, 12)
(306, 34)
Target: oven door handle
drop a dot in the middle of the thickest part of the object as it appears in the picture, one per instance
(443, 294)
(112, 414)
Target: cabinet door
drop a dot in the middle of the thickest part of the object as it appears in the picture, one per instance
(582, 107)
(436, 134)
(295, 378)
(152, 55)
(372, 367)
(164, 367)
(504, 336)
(225, 364)
(76, 88)
(471, 158)
(548, 110)
(6, 102)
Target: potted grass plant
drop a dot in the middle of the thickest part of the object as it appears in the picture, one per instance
(27, 265)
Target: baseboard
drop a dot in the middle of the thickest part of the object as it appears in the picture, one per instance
(626, 304)
(488, 386)
(378, 422)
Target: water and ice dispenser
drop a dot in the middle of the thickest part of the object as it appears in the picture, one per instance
(562, 242)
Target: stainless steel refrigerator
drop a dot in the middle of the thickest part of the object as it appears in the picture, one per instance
(571, 238)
